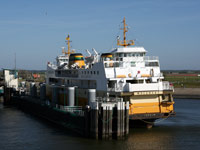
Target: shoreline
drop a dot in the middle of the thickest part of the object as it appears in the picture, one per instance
(186, 93)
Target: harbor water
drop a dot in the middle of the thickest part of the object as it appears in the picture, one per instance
(22, 131)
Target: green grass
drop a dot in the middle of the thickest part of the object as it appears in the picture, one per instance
(184, 81)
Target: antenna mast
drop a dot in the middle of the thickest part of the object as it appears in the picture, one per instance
(68, 44)
(15, 61)
(125, 43)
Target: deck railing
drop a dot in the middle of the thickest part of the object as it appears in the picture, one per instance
(167, 86)
(128, 87)
(151, 58)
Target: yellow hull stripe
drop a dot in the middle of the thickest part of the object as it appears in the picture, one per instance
(141, 108)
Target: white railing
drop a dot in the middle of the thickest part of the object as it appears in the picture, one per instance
(112, 63)
(116, 89)
(167, 86)
(78, 110)
(143, 87)
(151, 58)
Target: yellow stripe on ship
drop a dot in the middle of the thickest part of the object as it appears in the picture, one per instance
(121, 76)
(156, 107)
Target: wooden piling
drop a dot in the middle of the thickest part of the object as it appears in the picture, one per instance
(126, 118)
(103, 122)
(87, 121)
(107, 120)
(7, 95)
(110, 116)
(94, 120)
(118, 119)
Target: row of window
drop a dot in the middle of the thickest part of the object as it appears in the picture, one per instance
(119, 64)
(65, 72)
(129, 54)
(151, 64)
(79, 83)
(90, 72)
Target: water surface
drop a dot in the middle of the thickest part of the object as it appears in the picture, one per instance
(21, 131)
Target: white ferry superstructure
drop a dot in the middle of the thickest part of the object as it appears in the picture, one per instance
(125, 72)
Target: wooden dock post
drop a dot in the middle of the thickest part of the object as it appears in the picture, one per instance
(94, 120)
(33, 90)
(7, 95)
(103, 121)
(42, 92)
(118, 120)
(107, 120)
(87, 121)
(110, 121)
(126, 118)
(121, 120)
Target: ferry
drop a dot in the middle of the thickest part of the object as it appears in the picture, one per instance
(125, 73)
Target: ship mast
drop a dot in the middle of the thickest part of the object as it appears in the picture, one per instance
(125, 42)
(68, 44)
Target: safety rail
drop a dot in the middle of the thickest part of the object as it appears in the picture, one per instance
(108, 99)
(128, 87)
(112, 63)
(167, 86)
(151, 58)
(78, 110)
(116, 89)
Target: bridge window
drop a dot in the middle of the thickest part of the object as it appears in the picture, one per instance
(121, 55)
(151, 64)
(141, 54)
(132, 64)
(129, 54)
(134, 81)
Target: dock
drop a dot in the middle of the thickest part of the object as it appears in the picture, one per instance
(100, 119)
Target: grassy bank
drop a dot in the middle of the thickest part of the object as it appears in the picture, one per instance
(183, 81)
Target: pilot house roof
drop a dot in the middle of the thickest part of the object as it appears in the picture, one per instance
(129, 50)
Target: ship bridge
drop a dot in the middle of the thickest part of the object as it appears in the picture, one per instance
(129, 50)
(131, 62)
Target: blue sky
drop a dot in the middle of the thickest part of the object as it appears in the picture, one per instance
(36, 30)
